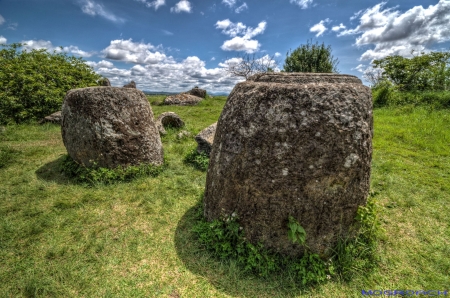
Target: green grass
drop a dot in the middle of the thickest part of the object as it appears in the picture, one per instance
(62, 239)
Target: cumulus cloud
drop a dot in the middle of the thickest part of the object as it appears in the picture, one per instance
(338, 28)
(319, 28)
(395, 33)
(156, 4)
(241, 8)
(2, 40)
(2, 19)
(230, 3)
(101, 64)
(182, 6)
(169, 75)
(92, 8)
(134, 52)
(277, 54)
(259, 63)
(302, 3)
(166, 75)
(45, 44)
(243, 42)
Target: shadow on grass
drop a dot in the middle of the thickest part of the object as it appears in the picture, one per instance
(51, 172)
(227, 277)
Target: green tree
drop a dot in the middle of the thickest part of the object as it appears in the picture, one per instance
(424, 72)
(33, 83)
(311, 57)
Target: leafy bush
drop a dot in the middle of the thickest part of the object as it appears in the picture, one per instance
(381, 94)
(424, 72)
(99, 175)
(33, 83)
(199, 161)
(311, 58)
(386, 94)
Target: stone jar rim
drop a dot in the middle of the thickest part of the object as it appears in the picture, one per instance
(303, 78)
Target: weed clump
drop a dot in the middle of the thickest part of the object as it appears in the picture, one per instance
(98, 175)
(225, 239)
(200, 161)
(7, 156)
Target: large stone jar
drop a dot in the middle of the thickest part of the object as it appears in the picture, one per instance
(110, 127)
(292, 144)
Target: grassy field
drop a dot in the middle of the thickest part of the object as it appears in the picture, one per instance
(62, 239)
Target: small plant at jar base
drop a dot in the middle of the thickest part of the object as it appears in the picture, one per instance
(225, 239)
(200, 161)
(356, 255)
(296, 233)
(99, 175)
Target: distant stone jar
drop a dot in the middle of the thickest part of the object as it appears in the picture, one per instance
(131, 84)
(292, 144)
(205, 139)
(110, 127)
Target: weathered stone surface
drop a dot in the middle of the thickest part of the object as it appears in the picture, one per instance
(110, 126)
(131, 84)
(104, 82)
(168, 119)
(292, 144)
(182, 99)
(205, 139)
(53, 118)
(197, 92)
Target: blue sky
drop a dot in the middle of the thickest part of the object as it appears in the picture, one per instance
(173, 45)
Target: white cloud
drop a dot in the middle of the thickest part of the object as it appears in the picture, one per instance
(356, 15)
(241, 8)
(76, 51)
(319, 27)
(241, 44)
(277, 54)
(182, 6)
(213, 58)
(166, 32)
(230, 3)
(101, 64)
(92, 8)
(45, 44)
(361, 68)
(302, 3)
(2, 19)
(338, 28)
(12, 26)
(395, 33)
(244, 42)
(264, 60)
(156, 4)
(2, 40)
(231, 61)
(134, 52)
(169, 75)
